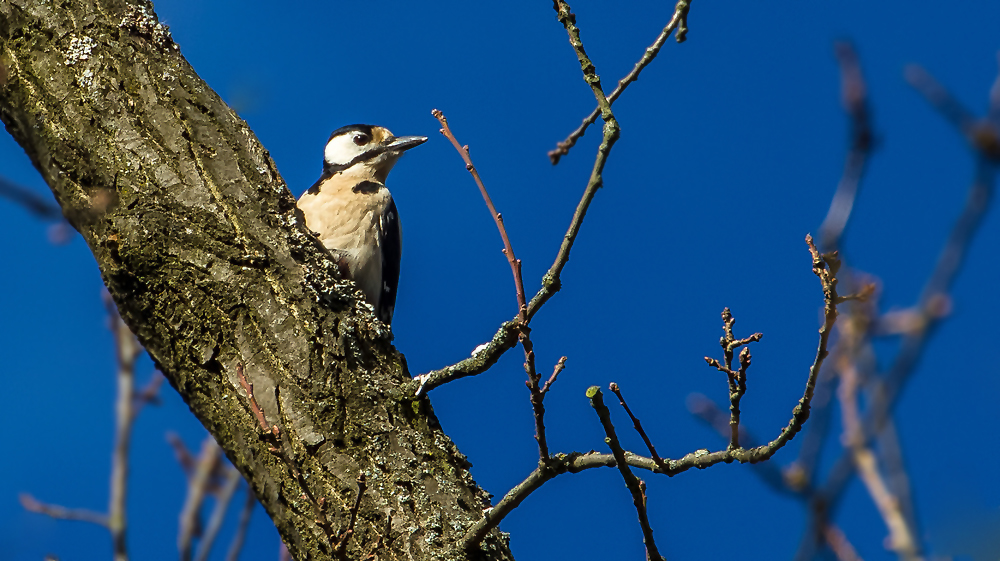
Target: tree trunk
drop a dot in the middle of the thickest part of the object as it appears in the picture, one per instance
(200, 243)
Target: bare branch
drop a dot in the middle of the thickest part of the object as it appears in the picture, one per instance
(482, 359)
(340, 545)
(536, 395)
(551, 281)
(889, 386)
(838, 542)
(29, 200)
(239, 537)
(560, 366)
(198, 489)
(222, 500)
(678, 22)
(982, 134)
(737, 378)
(635, 486)
(60, 512)
(854, 97)
(901, 537)
(574, 462)
(508, 250)
(637, 425)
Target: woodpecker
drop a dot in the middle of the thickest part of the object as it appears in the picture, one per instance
(353, 213)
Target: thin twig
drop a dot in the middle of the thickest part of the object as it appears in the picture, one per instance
(551, 282)
(854, 97)
(281, 448)
(737, 378)
(29, 200)
(482, 359)
(508, 250)
(634, 484)
(678, 22)
(506, 336)
(889, 386)
(901, 537)
(32, 504)
(239, 537)
(254, 407)
(127, 351)
(536, 396)
(636, 424)
(198, 488)
(222, 500)
(839, 543)
(340, 546)
(825, 267)
(559, 367)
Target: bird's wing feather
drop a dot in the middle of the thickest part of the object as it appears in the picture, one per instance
(390, 239)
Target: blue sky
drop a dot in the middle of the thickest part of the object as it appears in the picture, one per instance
(731, 147)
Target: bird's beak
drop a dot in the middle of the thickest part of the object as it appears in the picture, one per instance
(403, 143)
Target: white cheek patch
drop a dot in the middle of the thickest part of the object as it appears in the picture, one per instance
(342, 150)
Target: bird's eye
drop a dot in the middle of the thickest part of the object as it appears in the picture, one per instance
(361, 139)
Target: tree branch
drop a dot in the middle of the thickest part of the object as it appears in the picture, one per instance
(635, 486)
(207, 257)
(678, 22)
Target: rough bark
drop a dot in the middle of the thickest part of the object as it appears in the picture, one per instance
(200, 243)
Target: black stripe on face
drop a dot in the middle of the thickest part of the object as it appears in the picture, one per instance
(364, 157)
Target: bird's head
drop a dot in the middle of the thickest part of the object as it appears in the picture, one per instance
(365, 150)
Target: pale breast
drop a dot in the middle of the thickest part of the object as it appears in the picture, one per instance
(347, 223)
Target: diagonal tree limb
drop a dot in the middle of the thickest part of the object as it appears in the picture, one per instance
(207, 258)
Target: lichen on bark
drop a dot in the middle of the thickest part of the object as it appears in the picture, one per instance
(202, 248)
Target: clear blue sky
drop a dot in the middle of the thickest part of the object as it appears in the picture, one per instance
(732, 145)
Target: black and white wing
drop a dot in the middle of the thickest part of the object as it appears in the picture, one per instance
(390, 241)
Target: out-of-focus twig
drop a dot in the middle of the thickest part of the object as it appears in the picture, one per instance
(198, 488)
(239, 537)
(127, 350)
(901, 537)
(29, 200)
(678, 22)
(222, 500)
(32, 504)
(839, 543)
(854, 97)
(982, 134)
(923, 318)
